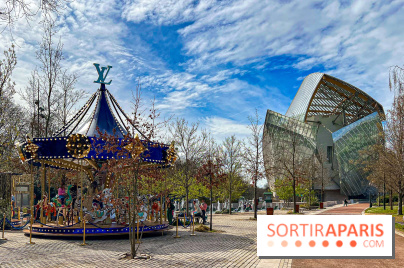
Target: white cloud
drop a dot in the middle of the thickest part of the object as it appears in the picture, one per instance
(356, 41)
(222, 43)
(224, 127)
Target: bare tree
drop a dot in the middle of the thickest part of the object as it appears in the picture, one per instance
(13, 10)
(51, 95)
(130, 174)
(7, 66)
(210, 173)
(254, 162)
(385, 160)
(33, 97)
(232, 157)
(321, 169)
(191, 146)
(50, 55)
(394, 133)
(68, 98)
(394, 153)
(291, 143)
(11, 115)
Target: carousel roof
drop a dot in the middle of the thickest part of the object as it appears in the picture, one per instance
(80, 138)
(98, 112)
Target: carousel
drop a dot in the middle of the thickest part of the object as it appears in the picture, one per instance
(89, 203)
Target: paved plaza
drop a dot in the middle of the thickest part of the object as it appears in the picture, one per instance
(234, 245)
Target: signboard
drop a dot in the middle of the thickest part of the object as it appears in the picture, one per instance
(331, 236)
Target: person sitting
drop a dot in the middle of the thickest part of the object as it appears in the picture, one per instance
(12, 205)
(62, 194)
(73, 193)
(97, 200)
(51, 212)
(203, 207)
(155, 209)
(197, 212)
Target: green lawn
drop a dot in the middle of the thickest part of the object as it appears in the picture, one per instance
(380, 210)
(388, 211)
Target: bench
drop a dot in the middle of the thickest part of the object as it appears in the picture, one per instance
(199, 219)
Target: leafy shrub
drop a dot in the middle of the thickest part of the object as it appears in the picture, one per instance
(202, 228)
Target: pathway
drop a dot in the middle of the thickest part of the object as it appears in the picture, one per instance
(354, 263)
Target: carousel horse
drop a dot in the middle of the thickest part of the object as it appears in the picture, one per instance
(56, 201)
(142, 213)
(113, 215)
(51, 210)
(69, 199)
(107, 193)
(38, 208)
(100, 214)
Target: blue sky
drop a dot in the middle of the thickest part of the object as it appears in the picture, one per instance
(215, 62)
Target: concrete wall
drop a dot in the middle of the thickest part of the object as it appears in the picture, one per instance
(325, 127)
(334, 195)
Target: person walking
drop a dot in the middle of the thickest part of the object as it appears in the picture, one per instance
(203, 207)
(345, 202)
(170, 211)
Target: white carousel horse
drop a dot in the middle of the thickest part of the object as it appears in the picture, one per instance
(101, 215)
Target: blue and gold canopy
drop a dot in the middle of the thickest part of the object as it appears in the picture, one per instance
(80, 137)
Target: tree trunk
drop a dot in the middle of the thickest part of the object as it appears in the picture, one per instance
(400, 199)
(133, 250)
(310, 193)
(322, 184)
(391, 199)
(384, 195)
(211, 204)
(230, 196)
(255, 199)
(294, 195)
(186, 205)
(378, 198)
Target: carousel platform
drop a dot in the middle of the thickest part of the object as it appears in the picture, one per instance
(96, 230)
(16, 223)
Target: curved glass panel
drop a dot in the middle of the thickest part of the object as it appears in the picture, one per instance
(286, 138)
(300, 103)
(349, 142)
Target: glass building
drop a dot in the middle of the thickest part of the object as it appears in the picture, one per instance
(332, 120)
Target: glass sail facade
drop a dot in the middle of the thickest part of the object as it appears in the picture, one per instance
(327, 115)
(282, 135)
(349, 142)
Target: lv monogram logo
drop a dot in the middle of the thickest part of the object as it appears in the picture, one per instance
(101, 77)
